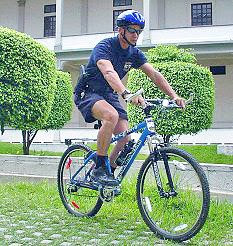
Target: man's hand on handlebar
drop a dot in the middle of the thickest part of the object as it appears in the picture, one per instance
(138, 100)
(180, 101)
(135, 98)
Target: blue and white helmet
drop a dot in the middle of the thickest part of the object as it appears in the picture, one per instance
(130, 17)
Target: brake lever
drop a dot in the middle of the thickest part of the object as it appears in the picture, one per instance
(191, 97)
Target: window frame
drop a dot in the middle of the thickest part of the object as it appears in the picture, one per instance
(203, 11)
(49, 6)
(218, 70)
(121, 3)
(49, 20)
(50, 32)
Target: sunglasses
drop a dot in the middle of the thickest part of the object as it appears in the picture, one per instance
(133, 30)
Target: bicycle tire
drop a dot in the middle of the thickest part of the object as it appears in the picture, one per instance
(181, 217)
(79, 201)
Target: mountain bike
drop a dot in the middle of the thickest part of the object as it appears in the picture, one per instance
(172, 190)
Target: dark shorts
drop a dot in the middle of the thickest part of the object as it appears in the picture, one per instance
(90, 98)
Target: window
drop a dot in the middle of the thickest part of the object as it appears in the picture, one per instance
(121, 3)
(115, 15)
(50, 8)
(201, 14)
(49, 26)
(49, 20)
(218, 70)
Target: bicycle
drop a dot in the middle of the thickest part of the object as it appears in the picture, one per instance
(172, 190)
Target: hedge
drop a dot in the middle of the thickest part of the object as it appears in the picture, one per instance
(27, 81)
(62, 105)
(186, 78)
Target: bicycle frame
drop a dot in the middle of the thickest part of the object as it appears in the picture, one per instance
(145, 126)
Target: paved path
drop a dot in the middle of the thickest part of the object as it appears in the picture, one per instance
(211, 136)
(53, 227)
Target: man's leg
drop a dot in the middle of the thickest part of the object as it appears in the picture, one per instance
(108, 115)
(122, 125)
(103, 111)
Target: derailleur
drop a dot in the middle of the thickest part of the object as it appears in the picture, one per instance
(71, 188)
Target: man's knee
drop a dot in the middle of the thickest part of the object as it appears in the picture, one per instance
(111, 117)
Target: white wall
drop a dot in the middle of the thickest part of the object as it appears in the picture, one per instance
(224, 98)
(9, 14)
(223, 116)
(72, 17)
(100, 14)
(224, 12)
(178, 12)
(34, 17)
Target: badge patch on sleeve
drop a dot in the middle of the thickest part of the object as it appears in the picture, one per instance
(127, 66)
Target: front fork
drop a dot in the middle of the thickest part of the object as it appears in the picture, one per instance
(155, 154)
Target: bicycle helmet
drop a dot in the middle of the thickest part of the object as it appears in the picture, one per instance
(130, 17)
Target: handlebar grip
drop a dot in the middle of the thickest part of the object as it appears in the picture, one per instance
(131, 96)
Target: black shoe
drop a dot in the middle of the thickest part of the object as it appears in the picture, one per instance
(100, 175)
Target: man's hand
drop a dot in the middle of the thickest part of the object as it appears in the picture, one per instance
(138, 100)
(180, 101)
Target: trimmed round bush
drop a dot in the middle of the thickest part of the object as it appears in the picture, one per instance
(27, 81)
(170, 53)
(185, 78)
(62, 104)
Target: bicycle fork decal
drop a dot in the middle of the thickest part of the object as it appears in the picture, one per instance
(157, 175)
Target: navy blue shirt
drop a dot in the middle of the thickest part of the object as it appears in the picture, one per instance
(121, 59)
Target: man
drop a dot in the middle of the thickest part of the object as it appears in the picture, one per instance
(96, 94)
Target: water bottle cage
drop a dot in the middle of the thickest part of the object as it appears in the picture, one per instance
(120, 161)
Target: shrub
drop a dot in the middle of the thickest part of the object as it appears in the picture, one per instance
(62, 105)
(27, 81)
(185, 78)
(60, 112)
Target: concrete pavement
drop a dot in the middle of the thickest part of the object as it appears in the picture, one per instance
(210, 136)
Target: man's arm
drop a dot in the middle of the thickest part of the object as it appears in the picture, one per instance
(162, 83)
(111, 76)
(106, 68)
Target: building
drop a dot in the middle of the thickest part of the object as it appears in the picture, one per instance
(73, 27)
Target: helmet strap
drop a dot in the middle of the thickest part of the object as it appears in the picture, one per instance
(124, 37)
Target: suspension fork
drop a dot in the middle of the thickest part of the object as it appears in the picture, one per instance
(154, 154)
(169, 176)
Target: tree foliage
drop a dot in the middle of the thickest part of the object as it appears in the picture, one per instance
(62, 105)
(27, 81)
(186, 77)
(60, 112)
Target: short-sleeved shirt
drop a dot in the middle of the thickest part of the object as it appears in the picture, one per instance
(98, 88)
(121, 59)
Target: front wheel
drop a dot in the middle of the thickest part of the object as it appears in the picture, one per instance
(180, 209)
(76, 191)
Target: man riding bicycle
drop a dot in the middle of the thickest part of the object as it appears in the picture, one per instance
(96, 94)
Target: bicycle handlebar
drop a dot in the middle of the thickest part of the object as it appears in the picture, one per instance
(158, 102)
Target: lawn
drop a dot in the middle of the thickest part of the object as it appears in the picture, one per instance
(34, 212)
(203, 153)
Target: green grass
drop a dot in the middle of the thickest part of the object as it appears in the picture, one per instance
(203, 153)
(39, 206)
(207, 154)
(17, 149)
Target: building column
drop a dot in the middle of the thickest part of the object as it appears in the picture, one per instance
(84, 16)
(59, 24)
(161, 14)
(21, 15)
(146, 13)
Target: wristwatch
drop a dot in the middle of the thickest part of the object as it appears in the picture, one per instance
(125, 93)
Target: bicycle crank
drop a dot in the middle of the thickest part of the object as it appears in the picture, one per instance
(106, 193)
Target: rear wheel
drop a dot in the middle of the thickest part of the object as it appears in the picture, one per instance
(177, 215)
(79, 200)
